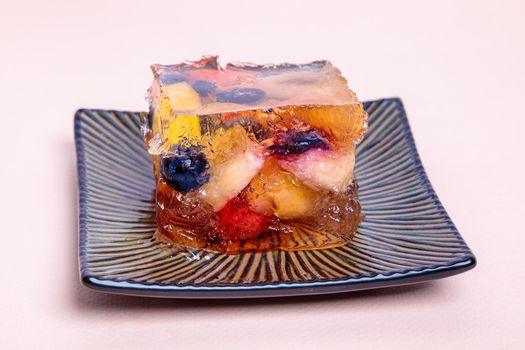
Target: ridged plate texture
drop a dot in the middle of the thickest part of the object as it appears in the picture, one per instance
(406, 236)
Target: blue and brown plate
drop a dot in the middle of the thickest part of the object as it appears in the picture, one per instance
(406, 237)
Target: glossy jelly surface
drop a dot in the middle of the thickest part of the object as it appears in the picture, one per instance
(254, 157)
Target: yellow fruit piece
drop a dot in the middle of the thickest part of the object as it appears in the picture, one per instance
(345, 124)
(227, 143)
(161, 114)
(181, 97)
(280, 193)
(183, 129)
(165, 108)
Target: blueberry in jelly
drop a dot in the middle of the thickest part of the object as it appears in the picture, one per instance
(204, 87)
(172, 78)
(298, 141)
(244, 96)
(185, 170)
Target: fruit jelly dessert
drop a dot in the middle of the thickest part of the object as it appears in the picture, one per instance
(254, 157)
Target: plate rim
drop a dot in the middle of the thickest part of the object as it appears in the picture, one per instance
(280, 289)
(409, 276)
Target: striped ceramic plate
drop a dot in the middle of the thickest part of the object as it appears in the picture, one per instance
(406, 236)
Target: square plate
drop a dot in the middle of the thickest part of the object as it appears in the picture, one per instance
(406, 237)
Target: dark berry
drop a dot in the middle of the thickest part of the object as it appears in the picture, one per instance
(172, 78)
(185, 170)
(204, 87)
(298, 141)
(241, 95)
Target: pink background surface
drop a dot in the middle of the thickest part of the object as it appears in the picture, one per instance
(459, 68)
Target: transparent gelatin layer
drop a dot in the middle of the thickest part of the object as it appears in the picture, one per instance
(254, 157)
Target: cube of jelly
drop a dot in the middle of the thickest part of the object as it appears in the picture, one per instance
(254, 157)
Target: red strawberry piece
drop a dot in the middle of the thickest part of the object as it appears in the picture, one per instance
(238, 221)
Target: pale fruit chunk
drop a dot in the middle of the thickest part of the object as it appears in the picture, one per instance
(280, 193)
(181, 97)
(234, 161)
(322, 169)
(230, 177)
